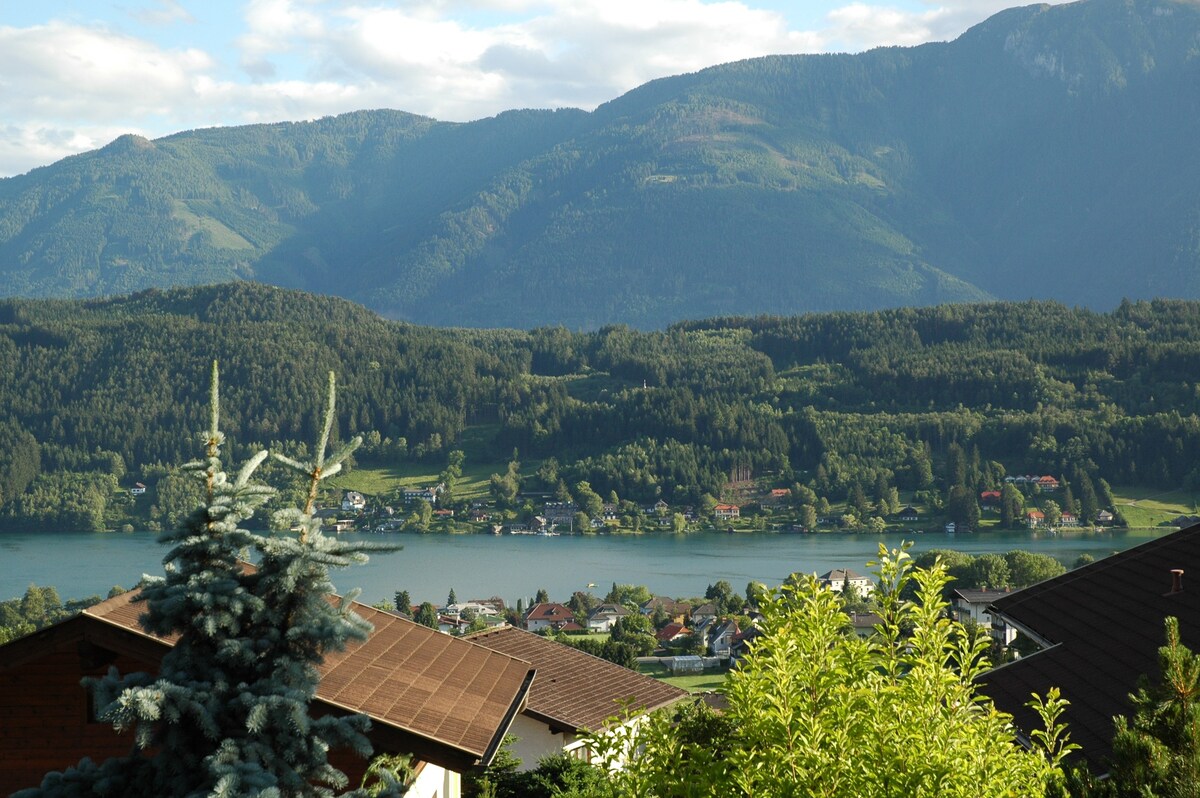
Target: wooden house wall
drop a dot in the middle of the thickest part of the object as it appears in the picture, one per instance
(44, 722)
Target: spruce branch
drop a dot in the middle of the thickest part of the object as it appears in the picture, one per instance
(320, 467)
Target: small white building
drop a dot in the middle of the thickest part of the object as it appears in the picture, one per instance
(605, 616)
(686, 663)
(353, 502)
(973, 605)
(837, 579)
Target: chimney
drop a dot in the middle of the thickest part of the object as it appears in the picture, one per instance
(1176, 581)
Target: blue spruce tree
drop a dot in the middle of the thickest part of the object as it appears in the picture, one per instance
(228, 713)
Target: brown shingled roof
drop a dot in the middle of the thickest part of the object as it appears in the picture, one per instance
(443, 690)
(574, 690)
(1103, 624)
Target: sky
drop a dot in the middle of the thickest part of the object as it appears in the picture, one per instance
(75, 74)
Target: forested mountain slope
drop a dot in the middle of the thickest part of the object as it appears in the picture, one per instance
(1048, 152)
(99, 393)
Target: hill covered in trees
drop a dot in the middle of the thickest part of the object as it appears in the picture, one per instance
(96, 397)
(1047, 152)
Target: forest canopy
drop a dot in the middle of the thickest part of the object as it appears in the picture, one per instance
(94, 395)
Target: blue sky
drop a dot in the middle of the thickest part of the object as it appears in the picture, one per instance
(75, 74)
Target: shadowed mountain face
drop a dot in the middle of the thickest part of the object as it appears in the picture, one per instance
(1048, 152)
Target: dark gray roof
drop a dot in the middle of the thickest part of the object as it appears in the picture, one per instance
(976, 596)
(840, 575)
(1103, 624)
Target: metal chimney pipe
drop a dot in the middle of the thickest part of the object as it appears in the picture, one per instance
(1176, 580)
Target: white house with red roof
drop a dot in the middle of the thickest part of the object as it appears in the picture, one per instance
(548, 616)
(726, 512)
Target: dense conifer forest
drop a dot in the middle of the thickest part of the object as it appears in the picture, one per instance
(845, 406)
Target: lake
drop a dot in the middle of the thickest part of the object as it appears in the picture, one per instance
(513, 566)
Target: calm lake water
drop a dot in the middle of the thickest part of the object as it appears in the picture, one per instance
(478, 566)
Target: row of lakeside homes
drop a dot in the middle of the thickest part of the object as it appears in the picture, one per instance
(1042, 484)
(447, 701)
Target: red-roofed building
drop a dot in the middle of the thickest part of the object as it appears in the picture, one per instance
(672, 632)
(548, 616)
(726, 512)
(1035, 518)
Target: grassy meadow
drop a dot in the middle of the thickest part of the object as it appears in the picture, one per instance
(694, 683)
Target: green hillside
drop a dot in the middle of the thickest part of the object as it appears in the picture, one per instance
(100, 394)
(1045, 153)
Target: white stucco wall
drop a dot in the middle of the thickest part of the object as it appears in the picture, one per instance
(435, 782)
(536, 741)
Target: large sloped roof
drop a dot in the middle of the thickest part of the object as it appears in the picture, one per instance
(447, 700)
(1102, 625)
(574, 690)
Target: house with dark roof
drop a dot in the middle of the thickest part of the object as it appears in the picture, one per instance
(863, 623)
(742, 643)
(574, 692)
(1099, 628)
(721, 637)
(837, 579)
(972, 605)
(704, 613)
(353, 502)
(603, 617)
(447, 702)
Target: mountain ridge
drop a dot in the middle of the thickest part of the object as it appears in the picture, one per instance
(1044, 153)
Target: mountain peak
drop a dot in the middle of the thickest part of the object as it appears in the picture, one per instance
(128, 142)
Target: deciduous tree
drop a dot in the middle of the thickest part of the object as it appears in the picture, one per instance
(814, 710)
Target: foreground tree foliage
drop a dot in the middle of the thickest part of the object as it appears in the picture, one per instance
(228, 713)
(1156, 754)
(816, 711)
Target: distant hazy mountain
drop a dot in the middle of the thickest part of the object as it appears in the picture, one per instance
(1049, 152)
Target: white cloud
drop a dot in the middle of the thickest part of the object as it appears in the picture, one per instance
(73, 72)
(163, 12)
(81, 83)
